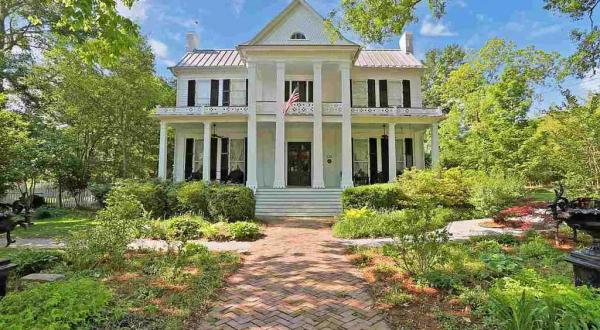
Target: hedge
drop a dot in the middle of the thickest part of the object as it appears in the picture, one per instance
(378, 196)
(230, 202)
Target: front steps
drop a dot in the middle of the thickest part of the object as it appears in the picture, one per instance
(298, 202)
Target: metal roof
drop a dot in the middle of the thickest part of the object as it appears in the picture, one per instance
(377, 58)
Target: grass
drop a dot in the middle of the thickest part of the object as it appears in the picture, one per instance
(58, 225)
(456, 293)
(541, 194)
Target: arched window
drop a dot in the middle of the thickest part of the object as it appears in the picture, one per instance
(298, 36)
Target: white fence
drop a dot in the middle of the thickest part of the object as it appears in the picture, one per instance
(50, 194)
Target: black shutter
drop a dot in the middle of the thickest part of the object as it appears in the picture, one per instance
(371, 93)
(383, 97)
(245, 159)
(302, 90)
(351, 101)
(287, 90)
(352, 156)
(226, 89)
(214, 93)
(310, 91)
(408, 150)
(246, 92)
(406, 93)
(189, 158)
(372, 160)
(191, 97)
(385, 159)
(213, 159)
(224, 159)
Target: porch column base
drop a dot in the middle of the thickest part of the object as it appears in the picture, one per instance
(279, 177)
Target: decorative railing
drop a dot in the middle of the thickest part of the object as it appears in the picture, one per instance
(302, 109)
(332, 108)
(202, 110)
(398, 112)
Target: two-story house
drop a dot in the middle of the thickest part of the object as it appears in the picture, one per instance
(359, 118)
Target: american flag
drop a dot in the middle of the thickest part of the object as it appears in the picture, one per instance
(293, 99)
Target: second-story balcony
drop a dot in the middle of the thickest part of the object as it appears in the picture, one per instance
(201, 110)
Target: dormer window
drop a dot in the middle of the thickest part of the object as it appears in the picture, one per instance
(298, 36)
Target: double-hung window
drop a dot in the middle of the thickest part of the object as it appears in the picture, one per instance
(361, 157)
(237, 155)
(305, 89)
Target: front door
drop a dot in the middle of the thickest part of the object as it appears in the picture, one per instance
(299, 163)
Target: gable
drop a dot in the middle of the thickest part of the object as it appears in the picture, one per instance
(298, 17)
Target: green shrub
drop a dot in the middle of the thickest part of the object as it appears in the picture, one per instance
(230, 202)
(448, 188)
(442, 279)
(244, 231)
(157, 229)
(536, 248)
(492, 193)
(387, 196)
(118, 225)
(100, 191)
(192, 197)
(503, 238)
(396, 296)
(186, 227)
(501, 263)
(30, 261)
(151, 195)
(358, 223)
(216, 232)
(72, 304)
(487, 247)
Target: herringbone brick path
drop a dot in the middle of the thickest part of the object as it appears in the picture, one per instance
(296, 278)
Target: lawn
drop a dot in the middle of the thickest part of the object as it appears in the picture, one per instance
(490, 282)
(541, 195)
(56, 223)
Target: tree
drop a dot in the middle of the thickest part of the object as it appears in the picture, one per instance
(489, 97)
(377, 20)
(439, 63)
(587, 57)
(14, 134)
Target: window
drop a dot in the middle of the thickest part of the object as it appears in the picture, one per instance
(400, 155)
(214, 93)
(371, 93)
(406, 93)
(361, 158)
(408, 155)
(359, 93)
(305, 89)
(237, 155)
(383, 97)
(191, 96)
(226, 92)
(298, 36)
(198, 155)
(237, 93)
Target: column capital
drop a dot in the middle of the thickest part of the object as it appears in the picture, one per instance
(280, 65)
(251, 65)
(317, 64)
(392, 125)
(344, 66)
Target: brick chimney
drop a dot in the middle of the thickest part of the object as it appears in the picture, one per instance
(406, 43)
(192, 41)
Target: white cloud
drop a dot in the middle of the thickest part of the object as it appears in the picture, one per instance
(591, 83)
(460, 3)
(238, 6)
(159, 48)
(539, 31)
(138, 12)
(432, 28)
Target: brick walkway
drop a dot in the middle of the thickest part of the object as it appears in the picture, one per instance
(297, 277)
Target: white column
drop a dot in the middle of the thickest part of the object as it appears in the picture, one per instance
(419, 149)
(179, 157)
(392, 151)
(346, 127)
(251, 181)
(220, 93)
(379, 157)
(435, 145)
(279, 178)
(206, 153)
(162, 152)
(317, 180)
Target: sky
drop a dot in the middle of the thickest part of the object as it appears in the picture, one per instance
(470, 23)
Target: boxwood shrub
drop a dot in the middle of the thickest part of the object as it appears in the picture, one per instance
(378, 196)
(192, 198)
(151, 194)
(230, 202)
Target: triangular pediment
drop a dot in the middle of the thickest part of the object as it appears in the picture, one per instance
(297, 17)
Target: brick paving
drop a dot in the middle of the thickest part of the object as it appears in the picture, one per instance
(297, 277)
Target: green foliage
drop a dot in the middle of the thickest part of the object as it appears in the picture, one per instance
(118, 224)
(447, 188)
(396, 296)
(502, 263)
(504, 238)
(438, 65)
(231, 202)
(487, 247)
(150, 194)
(15, 134)
(244, 231)
(71, 304)
(216, 231)
(30, 261)
(364, 222)
(185, 227)
(100, 191)
(492, 193)
(192, 197)
(536, 248)
(378, 196)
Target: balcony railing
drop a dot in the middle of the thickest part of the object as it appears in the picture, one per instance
(201, 110)
(398, 112)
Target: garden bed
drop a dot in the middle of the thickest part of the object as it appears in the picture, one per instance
(481, 283)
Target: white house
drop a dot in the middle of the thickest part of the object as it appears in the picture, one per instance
(359, 119)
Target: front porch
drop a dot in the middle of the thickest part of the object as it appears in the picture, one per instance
(216, 150)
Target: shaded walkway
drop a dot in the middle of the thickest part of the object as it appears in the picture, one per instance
(297, 277)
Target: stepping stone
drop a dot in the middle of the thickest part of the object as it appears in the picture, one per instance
(43, 277)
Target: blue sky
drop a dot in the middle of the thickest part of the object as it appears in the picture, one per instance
(226, 23)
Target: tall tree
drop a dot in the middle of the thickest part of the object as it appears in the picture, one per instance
(489, 97)
(439, 63)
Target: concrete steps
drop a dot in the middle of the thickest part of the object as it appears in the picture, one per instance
(298, 202)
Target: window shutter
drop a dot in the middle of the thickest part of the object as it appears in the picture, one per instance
(385, 159)
(310, 91)
(246, 159)
(224, 159)
(213, 158)
(371, 93)
(189, 158)
(246, 92)
(372, 160)
(302, 90)
(383, 97)
(226, 90)
(191, 96)
(287, 91)
(408, 150)
(406, 93)
(351, 98)
(214, 93)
